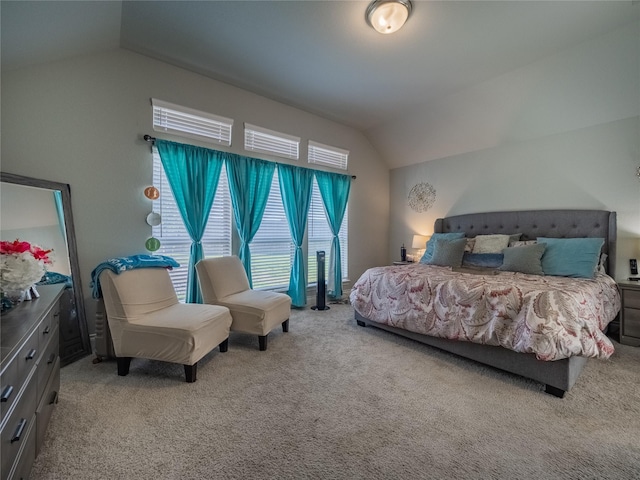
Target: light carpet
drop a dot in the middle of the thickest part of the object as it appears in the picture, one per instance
(331, 400)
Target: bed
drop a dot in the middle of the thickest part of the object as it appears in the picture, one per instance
(421, 301)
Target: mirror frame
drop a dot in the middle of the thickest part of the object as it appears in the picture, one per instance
(65, 190)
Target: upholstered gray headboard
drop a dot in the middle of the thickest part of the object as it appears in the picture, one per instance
(540, 223)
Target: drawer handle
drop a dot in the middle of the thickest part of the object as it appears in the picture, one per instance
(52, 358)
(19, 430)
(57, 314)
(6, 393)
(31, 355)
(46, 330)
(54, 398)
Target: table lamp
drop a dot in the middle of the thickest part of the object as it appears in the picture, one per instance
(420, 243)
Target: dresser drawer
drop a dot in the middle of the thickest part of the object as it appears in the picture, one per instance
(9, 388)
(47, 361)
(22, 468)
(15, 432)
(47, 403)
(27, 356)
(49, 324)
(631, 298)
(631, 323)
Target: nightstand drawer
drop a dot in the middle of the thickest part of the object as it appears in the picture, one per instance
(631, 298)
(631, 325)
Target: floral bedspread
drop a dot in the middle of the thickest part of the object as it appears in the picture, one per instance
(553, 317)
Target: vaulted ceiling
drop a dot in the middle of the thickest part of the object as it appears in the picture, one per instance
(319, 56)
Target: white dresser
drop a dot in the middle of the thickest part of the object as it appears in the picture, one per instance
(29, 378)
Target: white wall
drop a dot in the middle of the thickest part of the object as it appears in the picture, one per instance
(81, 121)
(561, 133)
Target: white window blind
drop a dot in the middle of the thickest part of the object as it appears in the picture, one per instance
(327, 155)
(173, 236)
(258, 139)
(272, 248)
(320, 237)
(187, 122)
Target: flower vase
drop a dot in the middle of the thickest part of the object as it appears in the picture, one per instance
(12, 298)
(16, 296)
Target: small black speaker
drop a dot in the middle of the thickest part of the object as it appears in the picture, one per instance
(321, 292)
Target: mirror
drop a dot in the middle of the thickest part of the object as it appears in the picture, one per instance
(19, 190)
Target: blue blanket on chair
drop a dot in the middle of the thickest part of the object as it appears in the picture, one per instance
(120, 264)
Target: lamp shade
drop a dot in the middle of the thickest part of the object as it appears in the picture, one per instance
(388, 16)
(419, 241)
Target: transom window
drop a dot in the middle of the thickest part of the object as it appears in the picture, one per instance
(327, 155)
(259, 139)
(191, 123)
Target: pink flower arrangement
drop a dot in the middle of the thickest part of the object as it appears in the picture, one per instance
(21, 265)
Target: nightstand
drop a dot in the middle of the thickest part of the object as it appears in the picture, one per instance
(630, 313)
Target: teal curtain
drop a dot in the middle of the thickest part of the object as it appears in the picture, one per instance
(295, 188)
(57, 199)
(249, 185)
(334, 189)
(193, 174)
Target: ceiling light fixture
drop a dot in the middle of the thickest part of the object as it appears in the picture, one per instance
(388, 16)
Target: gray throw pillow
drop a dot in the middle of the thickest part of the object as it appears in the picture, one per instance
(448, 252)
(525, 259)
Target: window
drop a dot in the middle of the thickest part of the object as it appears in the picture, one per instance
(319, 237)
(327, 155)
(174, 239)
(258, 139)
(187, 122)
(272, 249)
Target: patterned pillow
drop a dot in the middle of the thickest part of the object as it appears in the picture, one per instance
(522, 243)
(491, 243)
(601, 265)
(468, 248)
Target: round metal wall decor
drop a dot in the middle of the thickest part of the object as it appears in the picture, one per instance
(152, 193)
(422, 197)
(152, 244)
(154, 219)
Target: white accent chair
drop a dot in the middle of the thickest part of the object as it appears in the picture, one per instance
(147, 321)
(223, 281)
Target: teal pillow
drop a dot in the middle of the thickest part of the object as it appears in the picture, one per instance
(525, 259)
(432, 242)
(448, 253)
(571, 257)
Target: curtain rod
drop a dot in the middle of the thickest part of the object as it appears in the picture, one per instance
(150, 139)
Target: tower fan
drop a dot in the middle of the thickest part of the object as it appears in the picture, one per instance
(321, 292)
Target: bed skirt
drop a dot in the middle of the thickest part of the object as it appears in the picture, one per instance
(558, 376)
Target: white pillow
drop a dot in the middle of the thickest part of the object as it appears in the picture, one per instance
(490, 243)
